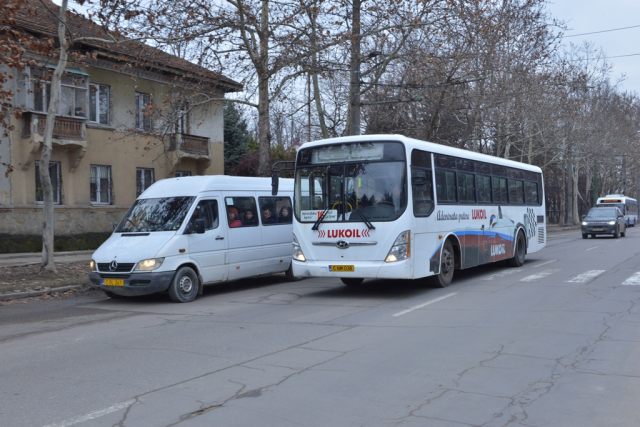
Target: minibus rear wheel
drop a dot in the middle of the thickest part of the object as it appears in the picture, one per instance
(184, 286)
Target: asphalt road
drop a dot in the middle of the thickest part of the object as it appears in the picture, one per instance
(553, 343)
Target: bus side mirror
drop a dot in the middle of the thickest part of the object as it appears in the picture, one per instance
(275, 181)
(115, 225)
(583, 217)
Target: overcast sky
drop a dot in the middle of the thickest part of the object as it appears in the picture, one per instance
(587, 16)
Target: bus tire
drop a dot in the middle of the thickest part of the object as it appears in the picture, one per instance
(617, 233)
(184, 286)
(348, 281)
(447, 265)
(520, 250)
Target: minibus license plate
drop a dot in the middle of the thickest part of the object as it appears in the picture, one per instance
(113, 282)
(341, 268)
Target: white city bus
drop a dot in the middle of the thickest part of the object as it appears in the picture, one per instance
(387, 206)
(627, 205)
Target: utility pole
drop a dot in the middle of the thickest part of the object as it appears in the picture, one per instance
(354, 87)
(595, 183)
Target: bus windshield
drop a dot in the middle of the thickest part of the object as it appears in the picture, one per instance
(351, 192)
(148, 215)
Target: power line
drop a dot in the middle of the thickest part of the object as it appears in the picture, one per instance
(607, 57)
(603, 31)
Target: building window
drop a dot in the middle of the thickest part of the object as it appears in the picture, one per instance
(143, 111)
(54, 173)
(73, 96)
(182, 173)
(40, 90)
(100, 184)
(144, 179)
(99, 104)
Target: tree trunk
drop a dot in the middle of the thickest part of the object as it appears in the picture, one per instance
(48, 263)
(314, 73)
(264, 124)
(576, 172)
(353, 125)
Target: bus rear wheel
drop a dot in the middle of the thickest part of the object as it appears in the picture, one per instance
(350, 281)
(447, 265)
(518, 256)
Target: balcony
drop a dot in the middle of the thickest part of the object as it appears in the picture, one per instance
(69, 132)
(184, 146)
(72, 129)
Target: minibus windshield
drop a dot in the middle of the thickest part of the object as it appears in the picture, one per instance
(162, 214)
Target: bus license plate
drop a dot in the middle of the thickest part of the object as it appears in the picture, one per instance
(341, 268)
(113, 282)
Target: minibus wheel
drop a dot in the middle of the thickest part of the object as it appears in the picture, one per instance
(289, 274)
(350, 281)
(184, 286)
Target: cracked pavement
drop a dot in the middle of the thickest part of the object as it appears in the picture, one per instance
(502, 351)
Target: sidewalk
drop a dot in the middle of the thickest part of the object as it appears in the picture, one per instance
(13, 260)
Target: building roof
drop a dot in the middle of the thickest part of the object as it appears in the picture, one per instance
(40, 17)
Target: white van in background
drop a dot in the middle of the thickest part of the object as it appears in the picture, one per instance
(183, 233)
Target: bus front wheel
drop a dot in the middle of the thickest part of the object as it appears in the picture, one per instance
(350, 281)
(447, 265)
(518, 256)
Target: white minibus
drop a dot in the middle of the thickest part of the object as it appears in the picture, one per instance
(183, 233)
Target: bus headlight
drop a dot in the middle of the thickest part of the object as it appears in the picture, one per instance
(612, 223)
(149, 264)
(297, 250)
(401, 248)
(584, 222)
(92, 265)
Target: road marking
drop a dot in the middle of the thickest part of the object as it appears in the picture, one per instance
(545, 263)
(581, 278)
(633, 280)
(502, 273)
(538, 276)
(409, 310)
(93, 415)
(593, 248)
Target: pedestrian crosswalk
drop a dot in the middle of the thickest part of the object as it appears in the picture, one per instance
(584, 277)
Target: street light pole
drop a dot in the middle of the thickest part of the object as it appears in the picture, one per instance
(354, 87)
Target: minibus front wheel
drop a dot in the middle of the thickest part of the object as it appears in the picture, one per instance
(184, 286)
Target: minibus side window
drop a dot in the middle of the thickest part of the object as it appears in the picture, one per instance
(275, 210)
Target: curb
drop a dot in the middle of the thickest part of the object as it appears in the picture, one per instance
(19, 295)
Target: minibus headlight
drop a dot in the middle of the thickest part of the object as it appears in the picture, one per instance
(149, 264)
(92, 265)
(584, 222)
(297, 251)
(401, 248)
(612, 223)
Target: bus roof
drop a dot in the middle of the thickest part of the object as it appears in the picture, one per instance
(194, 185)
(427, 146)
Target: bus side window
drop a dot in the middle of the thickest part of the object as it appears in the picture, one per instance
(422, 189)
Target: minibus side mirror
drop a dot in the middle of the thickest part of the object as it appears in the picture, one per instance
(275, 181)
(583, 217)
(199, 223)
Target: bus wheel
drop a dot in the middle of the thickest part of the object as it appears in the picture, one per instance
(447, 265)
(184, 286)
(617, 233)
(351, 282)
(518, 256)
